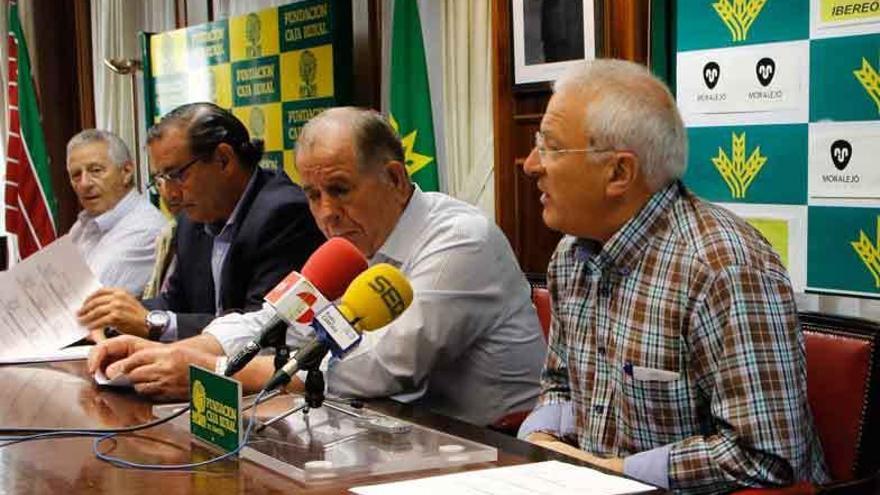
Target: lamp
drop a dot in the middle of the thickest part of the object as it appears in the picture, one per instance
(130, 67)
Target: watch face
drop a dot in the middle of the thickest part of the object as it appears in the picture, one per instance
(157, 319)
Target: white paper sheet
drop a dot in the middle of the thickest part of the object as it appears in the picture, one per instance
(543, 478)
(119, 381)
(39, 298)
(74, 353)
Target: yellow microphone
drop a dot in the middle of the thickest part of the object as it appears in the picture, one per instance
(376, 297)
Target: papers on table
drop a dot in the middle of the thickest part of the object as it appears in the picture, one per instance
(39, 298)
(550, 478)
(67, 354)
(118, 381)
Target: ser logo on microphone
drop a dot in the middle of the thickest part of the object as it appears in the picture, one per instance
(389, 295)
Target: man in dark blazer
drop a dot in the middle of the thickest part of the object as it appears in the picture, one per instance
(241, 231)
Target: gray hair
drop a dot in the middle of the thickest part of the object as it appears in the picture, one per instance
(117, 150)
(375, 141)
(630, 109)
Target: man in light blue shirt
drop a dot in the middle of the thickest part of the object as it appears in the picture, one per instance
(117, 227)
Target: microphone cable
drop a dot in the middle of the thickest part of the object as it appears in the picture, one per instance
(43, 433)
(103, 434)
(119, 462)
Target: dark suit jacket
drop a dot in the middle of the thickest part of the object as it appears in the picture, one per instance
(276, 234)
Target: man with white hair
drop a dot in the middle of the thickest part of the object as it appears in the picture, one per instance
(675, 353)
(117, 227)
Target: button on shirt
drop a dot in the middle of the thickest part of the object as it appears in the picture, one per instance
(469, 345)
(679, 340)
(118, 244)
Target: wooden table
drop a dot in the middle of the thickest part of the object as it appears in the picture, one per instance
(63, 395)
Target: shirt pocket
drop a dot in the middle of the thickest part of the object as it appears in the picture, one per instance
(655, 401)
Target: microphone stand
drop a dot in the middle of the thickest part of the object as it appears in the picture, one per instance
(278, 340)
(314, 384)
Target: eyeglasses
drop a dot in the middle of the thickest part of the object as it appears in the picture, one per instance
(551, 154)
(174, 176)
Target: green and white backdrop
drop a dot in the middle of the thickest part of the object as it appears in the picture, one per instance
(782, 103)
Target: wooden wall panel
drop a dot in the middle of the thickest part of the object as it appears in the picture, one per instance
(623, 27)
(62, 54)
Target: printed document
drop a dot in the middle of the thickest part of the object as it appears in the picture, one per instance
(39, 298)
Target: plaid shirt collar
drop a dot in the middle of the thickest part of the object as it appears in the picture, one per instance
(626, 246)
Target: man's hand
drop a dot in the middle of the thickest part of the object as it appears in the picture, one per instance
(548, 441)
(111, 350)
(161, 370)
(109, 307)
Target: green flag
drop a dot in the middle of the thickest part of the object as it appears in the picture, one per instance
(411, 96)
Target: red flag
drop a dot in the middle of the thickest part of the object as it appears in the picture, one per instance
(31, 207)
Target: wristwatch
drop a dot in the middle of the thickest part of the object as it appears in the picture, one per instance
(157, 322)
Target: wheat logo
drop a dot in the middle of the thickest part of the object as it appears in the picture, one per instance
(738, 15)
(870, 80)
(869, 253)
(738, 172)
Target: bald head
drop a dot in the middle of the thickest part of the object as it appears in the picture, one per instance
(374, 140)
(351, 168)
(627, 108)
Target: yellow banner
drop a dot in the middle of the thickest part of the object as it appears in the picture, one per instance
(776, 232)
(307, 73)
(254, 35)
(259, 119)
(849, 10)
(274, 69)
(168, 53)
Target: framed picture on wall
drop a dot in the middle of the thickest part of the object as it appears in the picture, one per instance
(549, 36)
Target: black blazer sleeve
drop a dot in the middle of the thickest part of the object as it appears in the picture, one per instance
(189, 292)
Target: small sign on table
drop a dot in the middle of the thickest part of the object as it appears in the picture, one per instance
(215, 414)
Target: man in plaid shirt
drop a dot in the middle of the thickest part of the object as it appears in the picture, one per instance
(675, 351)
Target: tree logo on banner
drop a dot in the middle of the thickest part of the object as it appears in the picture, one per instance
(738, 15)
(869, 253)
(738, 172)
(198, 404)
(257, 122)
(253, 36)
(415, 161)
(308, 72)
(870, 80)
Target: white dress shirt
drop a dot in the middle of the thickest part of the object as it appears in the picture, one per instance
(118, 245)
(469, 346)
